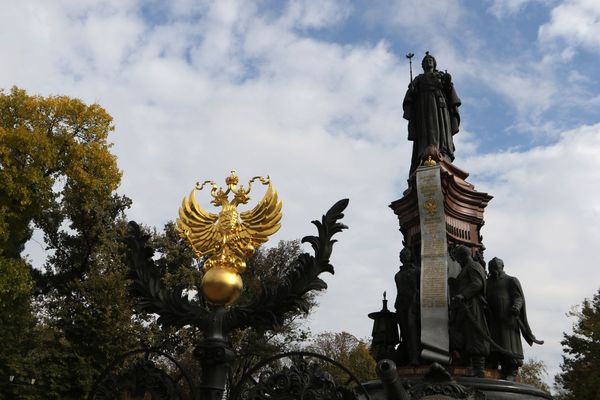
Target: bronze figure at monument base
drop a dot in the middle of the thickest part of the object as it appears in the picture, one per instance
(508, 319)
(407, 306)
(434, 381)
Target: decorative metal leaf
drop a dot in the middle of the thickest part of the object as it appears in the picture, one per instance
(269, 309)
(172, 306)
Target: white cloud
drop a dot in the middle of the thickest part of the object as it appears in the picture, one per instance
(316, 14)
(466, 142)
(530, 92)
(503, 8)
(428, 17)
(574, 23)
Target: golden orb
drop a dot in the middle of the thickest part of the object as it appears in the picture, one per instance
(221, 286)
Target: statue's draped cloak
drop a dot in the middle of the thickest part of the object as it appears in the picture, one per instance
(471, 283)
(504, 292)
(407, 310)
(431, 107)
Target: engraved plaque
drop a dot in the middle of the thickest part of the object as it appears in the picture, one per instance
(434, 266)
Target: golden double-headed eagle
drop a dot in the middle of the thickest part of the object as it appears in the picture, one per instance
(228, 238)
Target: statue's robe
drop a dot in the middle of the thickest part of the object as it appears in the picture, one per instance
(431, 108)
(506, 329)
(468, 320)
(408, 311)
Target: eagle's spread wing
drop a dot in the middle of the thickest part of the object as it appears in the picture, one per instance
(197, 225)
(263, 220)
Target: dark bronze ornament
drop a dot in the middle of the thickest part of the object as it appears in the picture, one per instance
(384, 333)
(142, 377)
(264, 311)
(297, 378)
(435, 384)
(438, 384)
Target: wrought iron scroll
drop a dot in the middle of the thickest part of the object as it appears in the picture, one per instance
(297, 379)
(171, 304)
(268, 310)
(142, 376)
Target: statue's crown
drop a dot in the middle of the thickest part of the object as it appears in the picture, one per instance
(232, 179)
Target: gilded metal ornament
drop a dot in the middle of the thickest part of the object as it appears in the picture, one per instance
(429, 162)
(430, 206)
(230, 237)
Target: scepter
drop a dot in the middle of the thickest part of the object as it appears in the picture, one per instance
(410, 56)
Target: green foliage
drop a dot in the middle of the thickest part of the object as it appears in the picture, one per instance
(15, 287)
(176, 259)
(268, 265)
(56, 167)
(59, 176)
(17, 322)
(580, 376)
(346, 349)
(533, 372)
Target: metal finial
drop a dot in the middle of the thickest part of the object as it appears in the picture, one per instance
(410, 56)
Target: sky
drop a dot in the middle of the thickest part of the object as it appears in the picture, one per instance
(310, 93)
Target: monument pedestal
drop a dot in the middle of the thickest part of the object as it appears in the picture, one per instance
(465, 388)
(436, 382)
(463, 210)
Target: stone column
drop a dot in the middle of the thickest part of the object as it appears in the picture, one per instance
(434, 266)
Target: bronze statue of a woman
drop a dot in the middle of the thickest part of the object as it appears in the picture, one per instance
(431, 108)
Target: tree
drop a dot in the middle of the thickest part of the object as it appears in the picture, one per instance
(56, 167)
(346, 349)
(59, 176)
(580, 376)
(533, 372)
(17, 321)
